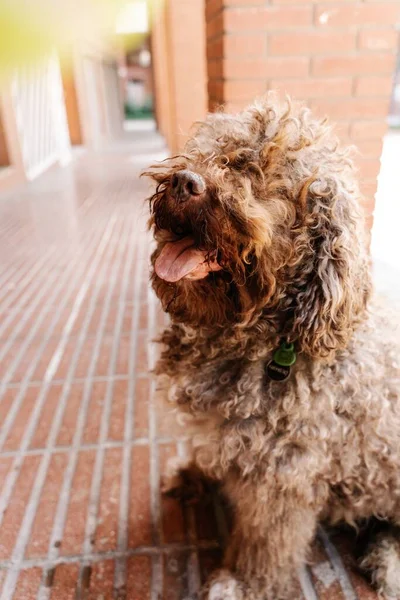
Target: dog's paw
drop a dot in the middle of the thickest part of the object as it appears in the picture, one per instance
(224, 586)
(382, 563)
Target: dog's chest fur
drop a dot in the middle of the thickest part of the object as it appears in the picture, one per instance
(335, 423)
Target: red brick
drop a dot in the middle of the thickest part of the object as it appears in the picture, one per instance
(253, 68)
(38, 544)
(353, 64)
(368, 189)
(366, 130)
(5, 463)
(118, 407)
(357, 13)
(138, 578)
(7, 402)
(215, 48)
(142, 364)
(236, 89)
(212, 7)
(311, 42)
(378, 39)
(124, 346)
(142, 392)
(68, 423)
(107, 527)
(342, 130)
(370, 148)
(103, 361)
(74, 531)
(216, 89)
(92, 426)
(139, 525)
(101, 583)
(109, 326)
(254, 44)
(271, 17)
(373, 85)
(173, 526)
(215, 68)
(16, 508)
(28, 584)
(127, 318)
(65, 580)
(368, 168)
(215, 25)
(43, 427)
(314, 88)
(357, 108)
(26, 361)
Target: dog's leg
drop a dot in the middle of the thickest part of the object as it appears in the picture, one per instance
(381, 560)
(272, 533)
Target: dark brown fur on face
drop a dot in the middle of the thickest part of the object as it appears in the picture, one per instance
(281, 235)
(281, 211)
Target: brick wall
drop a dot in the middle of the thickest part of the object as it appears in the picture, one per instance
(179, 59)
(338, 56)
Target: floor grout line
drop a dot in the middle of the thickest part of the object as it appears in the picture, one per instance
(123, 518)
(158, 550)
(96, 378)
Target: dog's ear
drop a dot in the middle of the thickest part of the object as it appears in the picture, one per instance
(333, 281)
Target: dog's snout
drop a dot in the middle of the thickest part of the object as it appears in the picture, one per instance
(186, 184)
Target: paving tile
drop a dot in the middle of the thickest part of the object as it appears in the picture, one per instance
(64, 582)
(108, 511)
(75, 524)
(43, 523)
(139, 524)
(15, 512)
(101, 583)
(138, 584)
(28, 584)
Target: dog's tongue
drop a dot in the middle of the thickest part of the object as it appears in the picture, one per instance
(178, 259)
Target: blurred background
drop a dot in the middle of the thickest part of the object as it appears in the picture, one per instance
(92, 92)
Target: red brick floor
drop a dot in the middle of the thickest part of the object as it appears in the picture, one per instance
(82, 445)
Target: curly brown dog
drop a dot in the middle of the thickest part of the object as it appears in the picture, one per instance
(274, 349)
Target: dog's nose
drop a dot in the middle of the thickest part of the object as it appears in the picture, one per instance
(186, 184)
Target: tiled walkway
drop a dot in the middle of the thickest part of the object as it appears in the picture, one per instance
(82, 446)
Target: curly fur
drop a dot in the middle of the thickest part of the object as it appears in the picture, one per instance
(282, 212)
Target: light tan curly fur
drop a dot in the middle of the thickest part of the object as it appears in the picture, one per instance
(282, 210)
